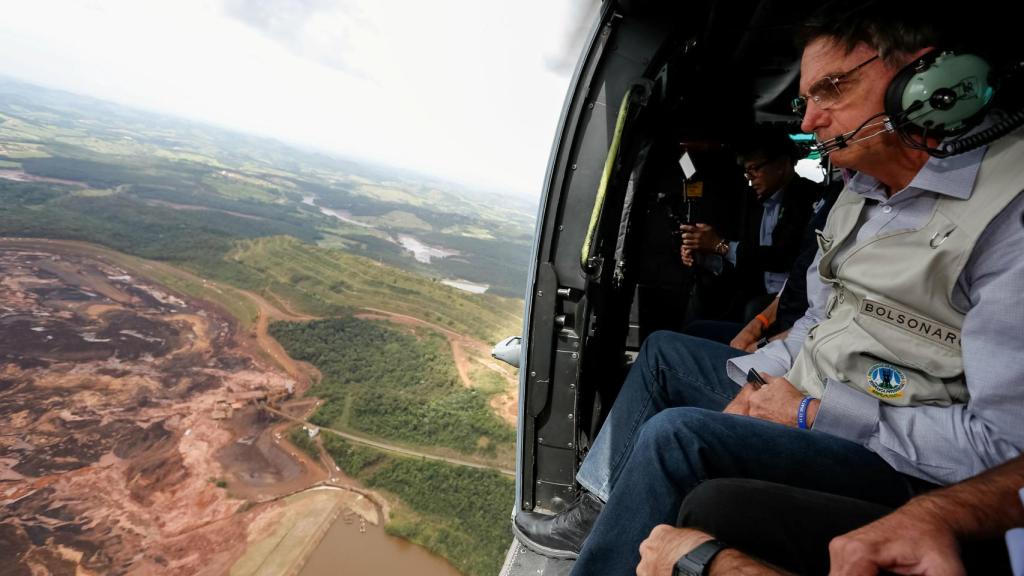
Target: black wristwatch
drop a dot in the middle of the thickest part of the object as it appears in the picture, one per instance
(696, 562)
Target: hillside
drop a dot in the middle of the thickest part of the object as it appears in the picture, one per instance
(164, 188)
(392, 286)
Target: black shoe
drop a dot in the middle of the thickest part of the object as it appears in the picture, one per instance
(561, 535)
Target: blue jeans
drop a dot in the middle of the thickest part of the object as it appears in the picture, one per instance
(666, 434)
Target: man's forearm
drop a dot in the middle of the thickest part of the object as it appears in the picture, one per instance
(733, 562)
(984, 506)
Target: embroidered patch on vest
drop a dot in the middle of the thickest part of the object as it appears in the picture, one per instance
(886, 380)
(930, 329)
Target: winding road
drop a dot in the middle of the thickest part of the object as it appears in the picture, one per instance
(390, 447)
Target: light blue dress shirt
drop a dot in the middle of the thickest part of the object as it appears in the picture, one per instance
(939, 444)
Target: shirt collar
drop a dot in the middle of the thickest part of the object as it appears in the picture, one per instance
(774, 198)
(953, 177)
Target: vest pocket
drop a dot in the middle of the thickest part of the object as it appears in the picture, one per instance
(892, 365)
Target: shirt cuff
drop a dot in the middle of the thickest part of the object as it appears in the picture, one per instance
(731, 254)
(773, 359)
(846, 413)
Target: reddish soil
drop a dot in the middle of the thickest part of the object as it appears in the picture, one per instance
(129, 437)
(22, 176)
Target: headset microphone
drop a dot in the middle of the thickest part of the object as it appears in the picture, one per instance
(826, 147)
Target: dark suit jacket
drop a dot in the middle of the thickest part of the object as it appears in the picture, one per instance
(752, 259)
(793, 302)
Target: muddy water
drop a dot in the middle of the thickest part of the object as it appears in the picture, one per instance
(345, 551)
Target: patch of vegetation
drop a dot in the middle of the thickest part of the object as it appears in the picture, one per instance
(353, 459)
(298, 436)
(460, 513)
(317, 277)
(391, 384)
(195, 240)
(487, 381)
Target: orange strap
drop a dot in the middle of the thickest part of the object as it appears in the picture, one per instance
(764, 321)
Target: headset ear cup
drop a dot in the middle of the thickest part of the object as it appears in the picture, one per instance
(894, 93)
(944, 93)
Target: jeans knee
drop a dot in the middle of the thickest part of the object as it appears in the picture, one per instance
(667, 427)
(667, 348)
(664, 339)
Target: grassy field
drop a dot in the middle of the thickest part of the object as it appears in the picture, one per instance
(459, 513)
(315, 277)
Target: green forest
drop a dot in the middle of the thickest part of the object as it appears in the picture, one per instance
(387, 383)
(460, 513)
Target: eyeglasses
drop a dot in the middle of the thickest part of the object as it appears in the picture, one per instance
(750, 171)
(825, 92)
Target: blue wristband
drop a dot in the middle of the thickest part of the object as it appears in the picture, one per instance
(801, 413)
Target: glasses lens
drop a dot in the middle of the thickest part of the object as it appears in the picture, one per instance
(799, 105)
(753, 169)
(824, 92)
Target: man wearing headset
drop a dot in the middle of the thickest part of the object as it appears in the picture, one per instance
(902, 374)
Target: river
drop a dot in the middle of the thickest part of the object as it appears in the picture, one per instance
(346, 550)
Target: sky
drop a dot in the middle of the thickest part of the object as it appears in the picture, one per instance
(465, 90)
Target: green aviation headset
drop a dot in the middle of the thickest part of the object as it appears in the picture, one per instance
(940, 93)
(943, 95)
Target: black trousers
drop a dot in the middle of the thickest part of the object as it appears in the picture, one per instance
(791, 527)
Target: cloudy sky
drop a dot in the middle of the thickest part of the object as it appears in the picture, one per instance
(468, 90)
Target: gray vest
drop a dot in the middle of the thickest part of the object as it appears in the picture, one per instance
(890, 328)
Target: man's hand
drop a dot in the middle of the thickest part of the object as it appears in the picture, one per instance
(740, 405)
(666, 545)
(776, 401)
(909, 541)
(686, 255)
(700, 237)
(747, 339)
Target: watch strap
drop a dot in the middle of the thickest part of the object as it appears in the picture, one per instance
(696, 561)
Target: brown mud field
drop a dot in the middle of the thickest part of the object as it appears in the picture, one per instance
(130, 441)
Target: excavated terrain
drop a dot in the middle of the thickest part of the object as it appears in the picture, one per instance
(129, 437)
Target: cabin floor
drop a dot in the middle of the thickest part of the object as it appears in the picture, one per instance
(521, 561)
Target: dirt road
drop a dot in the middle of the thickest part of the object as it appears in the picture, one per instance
(391, 447)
